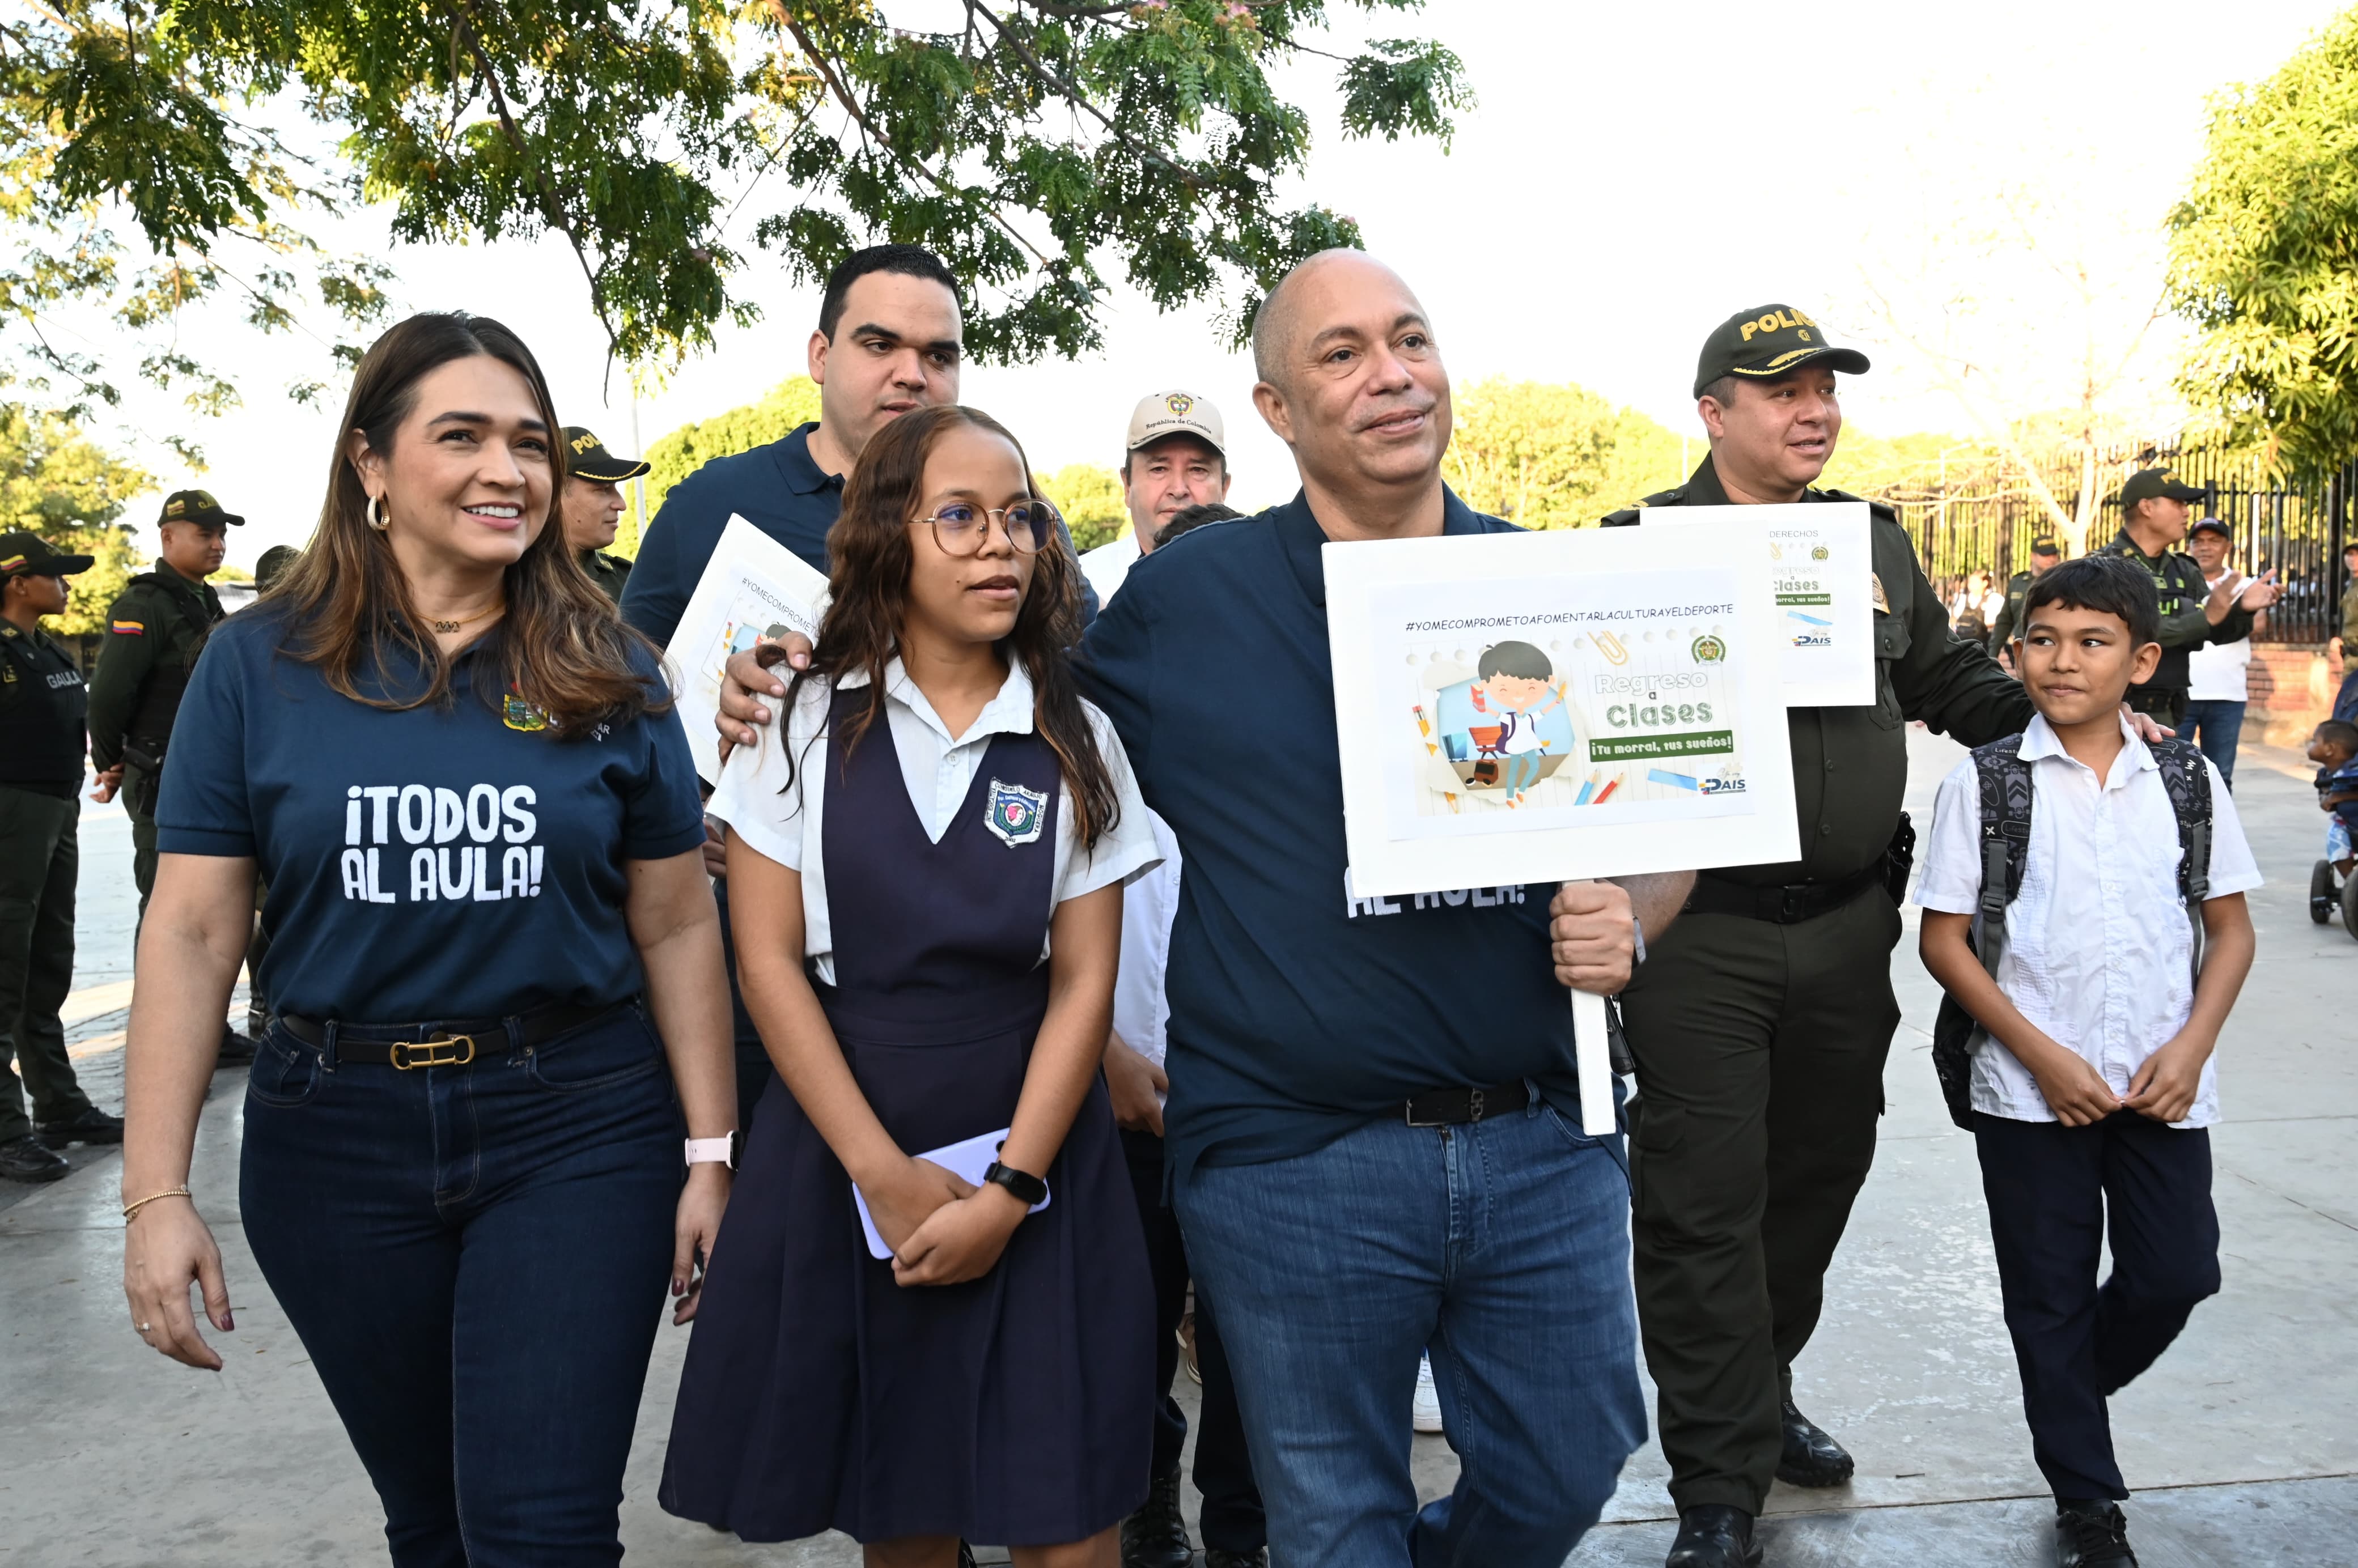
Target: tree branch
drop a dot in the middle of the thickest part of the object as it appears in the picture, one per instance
(1081, 101)
(842, 96)
(463, 15)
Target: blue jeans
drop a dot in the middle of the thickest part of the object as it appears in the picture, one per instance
(1504, 1247)
(475, 1259)
(2217, 724)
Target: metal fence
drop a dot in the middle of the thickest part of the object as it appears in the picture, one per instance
(1980, 514)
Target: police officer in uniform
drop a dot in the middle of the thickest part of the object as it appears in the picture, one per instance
(2153, 524)
(592, 506)
(1760, 1020)
(2044, 553)
(154, 632)
(42, 702)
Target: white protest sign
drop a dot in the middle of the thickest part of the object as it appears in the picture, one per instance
(753, 588)
(1822, 567)
(1551, 706)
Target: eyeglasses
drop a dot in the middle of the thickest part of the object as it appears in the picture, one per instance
(961, 529)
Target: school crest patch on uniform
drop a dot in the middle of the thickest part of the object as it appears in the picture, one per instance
(1014, 812)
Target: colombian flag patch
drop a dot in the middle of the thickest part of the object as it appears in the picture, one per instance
(129, 629)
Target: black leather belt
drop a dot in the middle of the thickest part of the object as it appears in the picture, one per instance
(1455, 1107)
(451, 1044)
(1787, 906)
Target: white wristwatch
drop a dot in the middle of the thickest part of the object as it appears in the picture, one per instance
(713, 1151)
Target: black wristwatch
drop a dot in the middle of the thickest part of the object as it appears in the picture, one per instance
(1031, 1190)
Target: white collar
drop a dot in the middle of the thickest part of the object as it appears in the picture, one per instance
(2039, 741)
(1007, 713)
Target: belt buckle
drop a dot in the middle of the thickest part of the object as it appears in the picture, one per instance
(442, 1050)
(1473, 1105)
(1409, 1107)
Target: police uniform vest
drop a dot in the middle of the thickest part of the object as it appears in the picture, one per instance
(2180, 585)
(42, 707)
(137, 691)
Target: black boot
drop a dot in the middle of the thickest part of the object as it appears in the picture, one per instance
(1811, 1458)
(1156, 1536)
(1713, 1535)
(27, 1159)
(235, 1049)
(92, 1126)
(2091, 1534)
(1215, 1558)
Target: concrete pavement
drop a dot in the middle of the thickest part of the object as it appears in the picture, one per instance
(2242, 1444)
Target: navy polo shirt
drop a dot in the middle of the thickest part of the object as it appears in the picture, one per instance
(1297, 1011)
(776, 488)
(450, 861)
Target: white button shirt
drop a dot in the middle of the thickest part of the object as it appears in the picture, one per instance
(2098, 949)
(938, 770)
(1141, 1008)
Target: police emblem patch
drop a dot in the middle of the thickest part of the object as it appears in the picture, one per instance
(1015, 814)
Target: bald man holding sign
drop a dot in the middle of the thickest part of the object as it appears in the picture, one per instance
(1374, 1124)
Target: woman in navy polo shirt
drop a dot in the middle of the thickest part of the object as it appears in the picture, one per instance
(925, 875)
(458, 774)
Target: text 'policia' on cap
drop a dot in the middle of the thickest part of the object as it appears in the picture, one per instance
(587, 458)
(196, 506)
(32, 555)
(1767, 342)
(2146, 485)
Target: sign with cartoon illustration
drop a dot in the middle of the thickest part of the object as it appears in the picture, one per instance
(752, 589)
(1524, 707)
(1821, 580)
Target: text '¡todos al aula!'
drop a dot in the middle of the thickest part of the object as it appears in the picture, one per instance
(475, 845)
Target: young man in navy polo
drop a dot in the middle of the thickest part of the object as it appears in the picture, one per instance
(1363, 1165)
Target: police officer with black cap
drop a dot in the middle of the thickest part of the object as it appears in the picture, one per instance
(592, 506)
(155, 630)
(2044, 553)
(42, 703)
(1760, 1020)
(2153, 523)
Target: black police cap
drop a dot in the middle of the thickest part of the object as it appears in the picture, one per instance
(196, 506)
(29, 554)
(1768, 341)
(586, 457)
(2148, 483)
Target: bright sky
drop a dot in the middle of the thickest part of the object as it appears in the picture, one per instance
(1631, 176)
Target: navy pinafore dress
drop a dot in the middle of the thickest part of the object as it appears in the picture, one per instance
(1015, 1408)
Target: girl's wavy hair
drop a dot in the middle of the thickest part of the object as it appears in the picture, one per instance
(560, 647)
(870, 556)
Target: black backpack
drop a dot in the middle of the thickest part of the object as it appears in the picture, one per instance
(2006, 796)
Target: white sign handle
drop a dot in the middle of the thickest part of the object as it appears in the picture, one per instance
(1595, 1063)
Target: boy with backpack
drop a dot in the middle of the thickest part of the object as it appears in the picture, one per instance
(2084, 908)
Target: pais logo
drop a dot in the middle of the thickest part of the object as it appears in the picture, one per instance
(1729, 780)
(1708, 650)
(1015, 814)
(1813, 640)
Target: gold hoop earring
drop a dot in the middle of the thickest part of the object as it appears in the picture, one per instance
(377, 518)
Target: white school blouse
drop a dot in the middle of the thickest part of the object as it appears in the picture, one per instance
(938, 770)
(1142, 1008)
(2098, 951)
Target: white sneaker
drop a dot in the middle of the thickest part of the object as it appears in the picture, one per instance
(1427, 1413)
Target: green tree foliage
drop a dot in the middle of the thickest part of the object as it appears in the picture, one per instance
(1554, 456)
(56, 482)
(791, 403)
(2264, 256)
(1042, 141)
(1091, 497)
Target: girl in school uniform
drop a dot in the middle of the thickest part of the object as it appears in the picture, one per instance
(925, 873)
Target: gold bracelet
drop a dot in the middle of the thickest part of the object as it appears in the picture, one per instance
(180, 1192)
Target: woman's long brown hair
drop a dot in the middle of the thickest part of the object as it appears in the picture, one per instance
(869, 557)
(560, 647)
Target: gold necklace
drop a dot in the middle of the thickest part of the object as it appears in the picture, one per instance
(446, 627)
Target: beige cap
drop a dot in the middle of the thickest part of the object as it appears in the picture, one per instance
(1176, 414)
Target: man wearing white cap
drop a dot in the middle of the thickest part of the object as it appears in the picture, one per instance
(1176, 456)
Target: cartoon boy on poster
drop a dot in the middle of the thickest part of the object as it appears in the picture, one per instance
(1506, 728)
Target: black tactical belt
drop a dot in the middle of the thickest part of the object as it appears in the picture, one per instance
(445, 1044)
(1788, 906)
(50, 787)
(1455, 1107)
